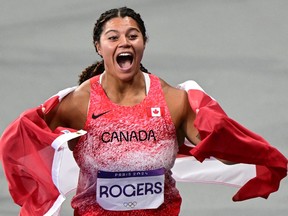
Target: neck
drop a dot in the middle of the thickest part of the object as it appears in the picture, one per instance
(121, 92)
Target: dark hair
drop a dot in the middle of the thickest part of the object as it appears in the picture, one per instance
(98, 67)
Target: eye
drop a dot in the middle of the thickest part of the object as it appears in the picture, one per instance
(113, 38)
(133, 36)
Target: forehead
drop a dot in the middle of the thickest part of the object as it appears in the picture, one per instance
(119, 23)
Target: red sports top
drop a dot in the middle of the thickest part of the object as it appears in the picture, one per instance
(126, 138)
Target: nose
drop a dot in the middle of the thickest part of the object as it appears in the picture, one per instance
(124, 42)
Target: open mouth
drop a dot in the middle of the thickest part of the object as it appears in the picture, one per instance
(124, 60)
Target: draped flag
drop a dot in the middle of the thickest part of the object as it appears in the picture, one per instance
(40, 169)
(223, 138)
(27, 149)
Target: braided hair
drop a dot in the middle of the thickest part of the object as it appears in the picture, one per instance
(98, 67)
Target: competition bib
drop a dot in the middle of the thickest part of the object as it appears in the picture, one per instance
(131, 190)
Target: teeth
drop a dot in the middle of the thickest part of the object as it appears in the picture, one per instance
(124, 54)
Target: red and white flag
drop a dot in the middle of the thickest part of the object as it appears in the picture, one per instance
(155, 111)
(40, 169)
(224, 138)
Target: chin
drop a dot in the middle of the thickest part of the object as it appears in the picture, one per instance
(127, 75)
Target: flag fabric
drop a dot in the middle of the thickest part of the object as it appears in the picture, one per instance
(40, 169)
(224, 138)
(212, 171)
(27, 149)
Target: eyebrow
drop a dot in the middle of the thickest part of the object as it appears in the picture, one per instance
(129, 30)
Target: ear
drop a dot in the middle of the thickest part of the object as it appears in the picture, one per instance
(145, 42)
(98, 48)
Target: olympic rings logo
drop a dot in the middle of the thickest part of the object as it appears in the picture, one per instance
(130, 204)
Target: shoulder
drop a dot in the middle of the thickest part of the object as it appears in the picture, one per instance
(81, 93)
(72, 110)
(177, 102)
(75, 106)
(172, 93)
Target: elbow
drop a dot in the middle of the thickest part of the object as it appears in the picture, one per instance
(226, 162)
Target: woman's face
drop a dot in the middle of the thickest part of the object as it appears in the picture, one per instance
(121, 46)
